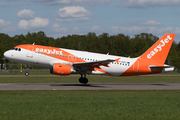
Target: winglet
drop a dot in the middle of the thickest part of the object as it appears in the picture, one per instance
(117, 60)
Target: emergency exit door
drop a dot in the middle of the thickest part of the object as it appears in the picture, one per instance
(30, 52)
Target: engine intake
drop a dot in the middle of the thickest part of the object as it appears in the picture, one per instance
(61, 69)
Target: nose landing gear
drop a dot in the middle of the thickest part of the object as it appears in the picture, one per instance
(27, 73)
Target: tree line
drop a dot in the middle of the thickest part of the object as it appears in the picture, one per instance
(120, 44)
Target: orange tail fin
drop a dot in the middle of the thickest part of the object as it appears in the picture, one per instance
(159, 51)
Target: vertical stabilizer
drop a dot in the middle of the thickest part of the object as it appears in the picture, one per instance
(159, 51)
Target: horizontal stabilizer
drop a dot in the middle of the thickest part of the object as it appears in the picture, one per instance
(166, 68)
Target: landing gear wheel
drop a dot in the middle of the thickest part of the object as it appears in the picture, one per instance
(83, 80)
(26, 73)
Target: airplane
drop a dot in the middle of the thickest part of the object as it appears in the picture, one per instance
(62, 61)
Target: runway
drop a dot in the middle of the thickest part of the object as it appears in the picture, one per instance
(90, 86)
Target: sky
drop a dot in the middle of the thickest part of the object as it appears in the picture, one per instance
(59, 18)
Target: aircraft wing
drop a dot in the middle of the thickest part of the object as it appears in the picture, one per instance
(96, 64)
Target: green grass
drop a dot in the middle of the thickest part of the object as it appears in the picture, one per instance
(90, 105)
(75, 79)
(32, 72)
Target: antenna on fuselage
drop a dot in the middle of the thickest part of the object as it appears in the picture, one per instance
(107, 53)
(34, 43)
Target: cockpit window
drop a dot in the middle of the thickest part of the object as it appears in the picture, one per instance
(17, 49)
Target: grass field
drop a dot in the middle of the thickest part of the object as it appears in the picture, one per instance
(90, 105)
(75, 79)
(31, 71)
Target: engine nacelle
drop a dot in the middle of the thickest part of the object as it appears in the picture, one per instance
(61, 69)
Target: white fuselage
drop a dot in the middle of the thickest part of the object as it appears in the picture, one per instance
(42, 59)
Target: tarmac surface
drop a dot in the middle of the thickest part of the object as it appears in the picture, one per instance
(90, 86)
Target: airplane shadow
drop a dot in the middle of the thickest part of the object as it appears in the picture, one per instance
(103, 85)
(159, 84)
(80, 85)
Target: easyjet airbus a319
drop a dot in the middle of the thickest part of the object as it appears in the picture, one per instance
(62, 61)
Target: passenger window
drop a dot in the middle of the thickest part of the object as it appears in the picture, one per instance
(19, 49)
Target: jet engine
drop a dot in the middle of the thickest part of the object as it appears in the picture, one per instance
(61, 69)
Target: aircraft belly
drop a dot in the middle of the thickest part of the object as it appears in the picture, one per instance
(114, 70)
(120, 68)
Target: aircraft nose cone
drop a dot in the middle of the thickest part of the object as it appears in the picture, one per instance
(7, 54)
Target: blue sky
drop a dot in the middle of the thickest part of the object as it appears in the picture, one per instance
(59, 18)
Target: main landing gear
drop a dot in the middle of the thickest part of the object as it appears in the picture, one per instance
(83, 79)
